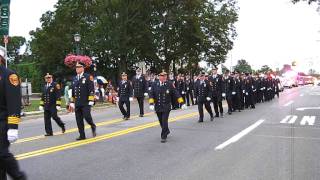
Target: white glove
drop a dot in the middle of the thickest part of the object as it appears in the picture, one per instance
(261, 89)
(145, 94)
(117, 99)
(12, 135)
(194, 99)
(223, 94)
(243, 91)
(183, 106)
(151, 107)
(247, 94)
(91, 103)
(183, 92)
(40, 108)
(58, 108)
(233, 93)
(208, 99)
(71, 105)
(130, 99)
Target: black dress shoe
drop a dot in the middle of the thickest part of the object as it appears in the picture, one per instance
(127, 118)
(221, 115)
(63, 128)
(94, 132)
(230, 113)
(48, 135)
(141, 115)
(80, 138)
(211, 119)
(217, 115)
(200, 121)
(163, 140)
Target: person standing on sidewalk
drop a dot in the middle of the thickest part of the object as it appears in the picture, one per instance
(50, 103)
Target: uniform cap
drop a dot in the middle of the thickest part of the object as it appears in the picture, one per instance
(48, 75)
(163, 73)
(138, 70)
(124, 74)
(80, 64)
(215, 67)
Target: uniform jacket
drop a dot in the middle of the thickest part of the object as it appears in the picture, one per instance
(51, 96)
(82, 90)
(124, 90)
(10, 97)
(161, 96)
(203, 90)
(139, 86)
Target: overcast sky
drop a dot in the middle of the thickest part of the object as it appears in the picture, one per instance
(272, 32)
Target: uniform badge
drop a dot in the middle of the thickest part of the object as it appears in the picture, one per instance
(167, 91)
(51, 90)
(141, 80)
(58, 86)
(204, 85)
(14, 80)
(83, 81)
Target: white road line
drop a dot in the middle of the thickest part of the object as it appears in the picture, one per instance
(307, 108)
(238, 136)
(285, 120)
(289, 103)
(293, 119)
(308, 120)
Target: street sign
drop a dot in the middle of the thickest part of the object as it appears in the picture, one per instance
(4, 17)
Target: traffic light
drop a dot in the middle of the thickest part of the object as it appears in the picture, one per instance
(4, 17)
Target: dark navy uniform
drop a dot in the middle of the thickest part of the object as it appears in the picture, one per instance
(216, 84)
(173, 81)
(249, 92)
(82, 95)
(124, 93)
(10, 109)
(160, 96)
(180, 85)
(189, 83)
(50, 99)
(236, 96)
(229, 91)
(203, 93)
(139, 85)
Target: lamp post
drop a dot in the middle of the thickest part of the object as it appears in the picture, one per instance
(77, 39)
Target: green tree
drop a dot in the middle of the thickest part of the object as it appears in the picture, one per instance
(121, 33)
(264, 69)
(243, 66)
(14, 47)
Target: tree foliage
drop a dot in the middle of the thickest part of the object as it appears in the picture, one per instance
(243, 66)
(121, 33)
(264, 69)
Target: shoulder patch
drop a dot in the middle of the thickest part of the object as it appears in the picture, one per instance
(58, 86)
(14, 80)
(91, 78)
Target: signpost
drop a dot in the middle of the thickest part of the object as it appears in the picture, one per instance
(4, 21)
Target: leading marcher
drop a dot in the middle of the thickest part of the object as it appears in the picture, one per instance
(160, 96)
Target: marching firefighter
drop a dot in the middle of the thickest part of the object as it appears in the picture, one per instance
(189, 90)
(216, 84)
(140, 89)
(203, 93)
(50, 103)
(160, 97)
(10, 102)
(125, 96)
(83, 99)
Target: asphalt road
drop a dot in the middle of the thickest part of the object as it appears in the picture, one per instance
(278, 140)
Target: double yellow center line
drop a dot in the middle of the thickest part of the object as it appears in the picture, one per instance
(98, 138)
(104, 123)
